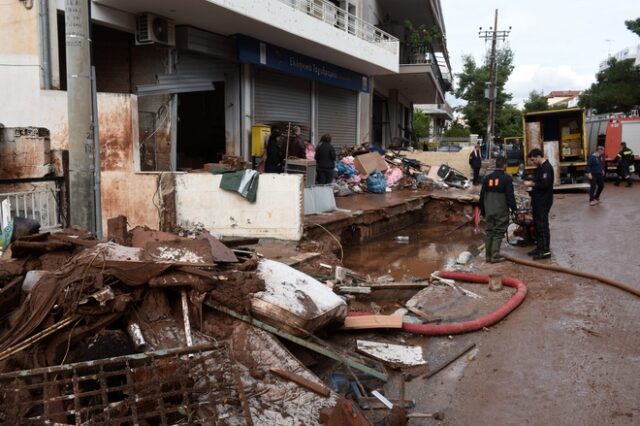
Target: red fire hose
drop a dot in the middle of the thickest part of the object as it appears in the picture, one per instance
(476, 324)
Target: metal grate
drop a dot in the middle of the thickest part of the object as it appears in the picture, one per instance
(177, 386)
(41, 205)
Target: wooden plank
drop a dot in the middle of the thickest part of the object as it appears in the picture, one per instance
(299, 380)
(417, 312)
(372, 321)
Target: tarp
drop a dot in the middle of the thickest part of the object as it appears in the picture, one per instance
(244, 182)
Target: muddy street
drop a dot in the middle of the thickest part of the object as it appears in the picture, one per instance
(568, 355)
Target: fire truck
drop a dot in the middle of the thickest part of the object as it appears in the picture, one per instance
(610, 131)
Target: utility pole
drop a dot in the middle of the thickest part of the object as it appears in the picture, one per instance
(80, 125)
(493, 34)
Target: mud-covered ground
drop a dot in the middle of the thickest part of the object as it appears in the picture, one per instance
(569, 355)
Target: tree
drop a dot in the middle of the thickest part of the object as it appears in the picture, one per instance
(457, 130)
(536, 102)
(421, 123)
(471, 85)
(633, 26)
(617, 88)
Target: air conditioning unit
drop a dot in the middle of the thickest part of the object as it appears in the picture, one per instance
(152, 28)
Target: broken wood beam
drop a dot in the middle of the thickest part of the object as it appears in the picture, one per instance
(117, 229)
(364, 322)
(309, 345)
(301, 381)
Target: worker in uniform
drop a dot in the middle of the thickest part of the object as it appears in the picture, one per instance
(625, 160)
(541, 188)
(496, 201)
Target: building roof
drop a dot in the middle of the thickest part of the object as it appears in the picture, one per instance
(564, 94)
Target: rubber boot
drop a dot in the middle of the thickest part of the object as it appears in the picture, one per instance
(488, 244)
(496, 257)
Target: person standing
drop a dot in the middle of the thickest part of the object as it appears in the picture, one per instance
(296, 144)
(475, 161)
(625, 161)
(325, 160)
(541, 201)
(274, 155)
(496, 201)
(595, 174)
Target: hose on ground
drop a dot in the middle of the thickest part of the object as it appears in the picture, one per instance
(473, 325)
(556, 268)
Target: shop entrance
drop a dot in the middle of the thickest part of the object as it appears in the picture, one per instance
(201, 129)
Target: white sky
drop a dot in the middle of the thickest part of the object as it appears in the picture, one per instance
(557, 44)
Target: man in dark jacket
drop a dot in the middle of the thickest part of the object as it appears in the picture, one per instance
(541, 202)
(496, 200)
(625, 159)
(595, 174)
(475, 161)
(274, 155)
(325, 160)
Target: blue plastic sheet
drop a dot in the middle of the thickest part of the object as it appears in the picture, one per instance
(345, 169)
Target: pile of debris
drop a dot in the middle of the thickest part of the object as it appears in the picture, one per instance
(372, 172)
(154, 328)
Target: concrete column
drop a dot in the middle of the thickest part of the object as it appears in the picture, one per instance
(81, 135)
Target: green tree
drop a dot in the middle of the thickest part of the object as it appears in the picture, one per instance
(509, 122)
(421, 123)
(536, 102)
(617, 88)
(471, 86)
(457, 130)
(633, 26)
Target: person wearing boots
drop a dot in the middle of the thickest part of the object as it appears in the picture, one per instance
(496, 200)
(625, 161)
(475, 161)
(595, 174)
(541, 202)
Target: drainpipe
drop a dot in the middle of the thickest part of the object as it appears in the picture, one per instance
(45, 44)
(81, 131)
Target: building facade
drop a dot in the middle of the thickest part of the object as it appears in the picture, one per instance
(179, 84)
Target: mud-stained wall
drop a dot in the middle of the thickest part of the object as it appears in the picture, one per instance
(277, 212)
(134, 195)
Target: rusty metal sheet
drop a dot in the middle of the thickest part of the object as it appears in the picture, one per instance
(220, 252)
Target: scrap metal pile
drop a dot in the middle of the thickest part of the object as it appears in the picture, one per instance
(158, 328)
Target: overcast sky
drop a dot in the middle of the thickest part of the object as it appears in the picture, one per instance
(558, 44)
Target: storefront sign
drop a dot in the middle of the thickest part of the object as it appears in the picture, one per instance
(256, 52)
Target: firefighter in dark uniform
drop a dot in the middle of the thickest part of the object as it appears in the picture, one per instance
(496, 200)
(541, 202)
(625, 160)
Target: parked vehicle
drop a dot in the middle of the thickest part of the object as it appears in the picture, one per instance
(449, 148)
(610, 132)
(561, 134)
(514, 153)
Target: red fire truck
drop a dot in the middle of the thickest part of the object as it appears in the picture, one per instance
(610, 132)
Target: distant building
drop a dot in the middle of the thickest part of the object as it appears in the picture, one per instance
(631, 52)
(567, 98)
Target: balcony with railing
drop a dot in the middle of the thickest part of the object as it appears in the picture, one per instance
(425, 56)
(345, 21)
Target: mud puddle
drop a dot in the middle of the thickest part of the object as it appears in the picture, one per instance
(424, 249)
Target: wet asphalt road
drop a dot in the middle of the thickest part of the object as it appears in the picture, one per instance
(570, 354)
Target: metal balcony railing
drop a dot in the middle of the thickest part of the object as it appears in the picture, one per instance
(341, 19)
(424, 56)
(41, 205)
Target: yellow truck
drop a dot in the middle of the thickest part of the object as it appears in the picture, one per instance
(561, 135)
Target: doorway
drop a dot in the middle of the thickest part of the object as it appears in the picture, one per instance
(378, 122)
(201, 130)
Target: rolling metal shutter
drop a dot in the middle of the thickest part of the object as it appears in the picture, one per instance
(338, 115)
(282, 98)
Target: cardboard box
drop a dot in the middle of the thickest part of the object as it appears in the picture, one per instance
(367, 163)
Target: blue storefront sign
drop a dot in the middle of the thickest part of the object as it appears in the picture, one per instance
(253, 51)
